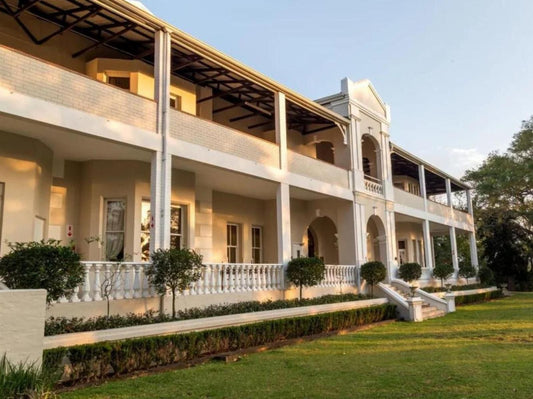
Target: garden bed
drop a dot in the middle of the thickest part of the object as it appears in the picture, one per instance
(63, 325)
(84, 363)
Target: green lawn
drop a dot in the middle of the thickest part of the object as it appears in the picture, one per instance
(481, 351)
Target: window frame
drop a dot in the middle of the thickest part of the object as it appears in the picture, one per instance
(104, 226)
(237, 244)
(260, 247)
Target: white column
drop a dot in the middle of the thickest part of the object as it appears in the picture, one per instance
(161, 161)
(469, 202)
(453, 241)
(283, 214)
(449, 192)
(281, 128)
(422, 182)
(428, 244)
(473, 249)
(390, 243)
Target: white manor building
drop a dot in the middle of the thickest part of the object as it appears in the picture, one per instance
(123, 134)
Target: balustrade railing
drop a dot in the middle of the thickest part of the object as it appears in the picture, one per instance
(127, 280)
(373, 185)
(339, 275)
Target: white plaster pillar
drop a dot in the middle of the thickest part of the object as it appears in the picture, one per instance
(473, 249)
(469, 202)
(453, 241)
(422, 182)
(428, 244)
(281, 128)
(391, 244)
(449, 192)
(161, 160)
(283, 214)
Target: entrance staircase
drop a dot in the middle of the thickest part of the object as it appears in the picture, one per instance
(398, 292)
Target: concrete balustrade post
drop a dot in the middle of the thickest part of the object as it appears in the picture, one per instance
(86, 284)
(415, 309)
(450, 302)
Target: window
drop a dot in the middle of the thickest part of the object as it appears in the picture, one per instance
(120, 82)
(232, 240)
(177, 228)
(257, 244)
(402, 252)
(175, 102)
(115, 211)
(366, 166)
(2, 191)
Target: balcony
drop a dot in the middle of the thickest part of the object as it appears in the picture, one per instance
(405, 198)
(318, 170)
(217, 137)
(373, 185)
(36, 78)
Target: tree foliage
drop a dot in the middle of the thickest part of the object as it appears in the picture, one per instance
(443, 271)
(42, 264)
(305, 272)
(410, 272)
(373, 273)
(174, 270)
(467, 271)
(504, 209)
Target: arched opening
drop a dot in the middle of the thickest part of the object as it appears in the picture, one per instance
(376, 249)
(325, 151)
(371, 157)
(322, 240)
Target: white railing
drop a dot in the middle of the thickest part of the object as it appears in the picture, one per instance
(373, 185)
(339, 275)
(127, 280)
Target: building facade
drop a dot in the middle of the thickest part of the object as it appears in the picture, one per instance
(122, 134)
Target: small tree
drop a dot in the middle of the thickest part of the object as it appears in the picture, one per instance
(486, 276)
(175, 270)
(467, 271)
(43, 264)
(305, 272)
(443, 271)
(111, 276)
(373, 273)
(409, 272)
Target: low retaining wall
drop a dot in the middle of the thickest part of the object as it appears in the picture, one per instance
(22, 315)
(208, 323)
(467, 292)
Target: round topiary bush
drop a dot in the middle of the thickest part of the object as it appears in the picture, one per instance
(410, 272)
(43, 264)
(467, 271)
(373, 273)
(305, 272)
(443, 271)
(486, 276)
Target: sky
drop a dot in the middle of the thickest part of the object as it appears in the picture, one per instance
(458, 75)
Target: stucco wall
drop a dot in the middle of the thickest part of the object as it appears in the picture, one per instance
(22, 314)
(26, 170)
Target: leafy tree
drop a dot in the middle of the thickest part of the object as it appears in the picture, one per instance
(409, 272)
(175, 270)
(373, 273)
(467, 271)
(504, 209)
(486, 277)
(305, 272)
(43, 264)
(443, 271)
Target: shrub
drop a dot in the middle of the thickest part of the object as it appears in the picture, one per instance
(96, 361)
(44, 264)
(25, 380)
(443, 271)
(63, 325)
(175, 270)
(485, 275)
(373, 273)
(474, 298)
(410, 272)
(454, 288)
(305, 272)
(467, 271)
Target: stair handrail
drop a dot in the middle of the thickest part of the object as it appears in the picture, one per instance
(432, 299)
(393, 295)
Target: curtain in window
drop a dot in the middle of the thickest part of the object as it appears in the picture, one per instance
(114, 245)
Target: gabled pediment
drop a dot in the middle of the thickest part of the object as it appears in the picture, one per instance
(364, 92)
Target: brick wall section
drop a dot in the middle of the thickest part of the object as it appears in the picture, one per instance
(37, 78)
(218, 137)
(318, 170)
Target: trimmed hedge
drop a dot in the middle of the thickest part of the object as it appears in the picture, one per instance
(92, 362)
(486, 296)
(63, 325)
(463, 287)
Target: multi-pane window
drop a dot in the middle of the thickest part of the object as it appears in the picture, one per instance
(257, 246)
(120, 82)
(177, 222)
(232, 242)
(115, 212)
(2, 194)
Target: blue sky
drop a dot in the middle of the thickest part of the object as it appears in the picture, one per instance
(458, 75)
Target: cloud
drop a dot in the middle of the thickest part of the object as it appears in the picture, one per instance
(454, 161)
